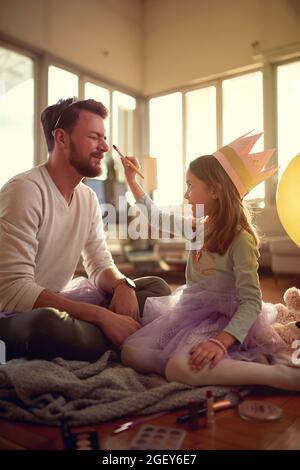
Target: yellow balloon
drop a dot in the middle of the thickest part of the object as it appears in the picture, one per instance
(288, 199)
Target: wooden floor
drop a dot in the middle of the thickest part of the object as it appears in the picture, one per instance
(230, 431)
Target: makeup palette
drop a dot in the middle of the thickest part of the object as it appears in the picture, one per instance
(157, 438)
(259, 410)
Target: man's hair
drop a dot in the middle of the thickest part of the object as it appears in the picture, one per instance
(65, 113)
(230, 213)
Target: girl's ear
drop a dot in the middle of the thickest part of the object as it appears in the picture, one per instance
(214, 194)
(215, 191)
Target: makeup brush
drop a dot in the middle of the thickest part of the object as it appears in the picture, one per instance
(129, 162)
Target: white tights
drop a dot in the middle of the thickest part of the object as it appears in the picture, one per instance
(139, 360)
(227, 372)
(233, 372)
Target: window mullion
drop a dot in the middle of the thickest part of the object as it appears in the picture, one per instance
(270, 119)
(184, 137)
(219, 113)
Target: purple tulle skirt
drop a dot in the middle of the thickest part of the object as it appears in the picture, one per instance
(191, 315)
(175, 323)
(81, 289)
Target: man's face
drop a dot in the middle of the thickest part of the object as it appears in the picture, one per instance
(88, 144)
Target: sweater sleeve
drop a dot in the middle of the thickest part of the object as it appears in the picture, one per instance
(178, 225)
(96, 256)
(20, 218)
(244, 256)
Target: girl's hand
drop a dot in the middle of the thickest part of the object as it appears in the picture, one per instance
(205, 353)
(129, 172)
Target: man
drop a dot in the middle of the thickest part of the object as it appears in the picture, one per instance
(48, 218)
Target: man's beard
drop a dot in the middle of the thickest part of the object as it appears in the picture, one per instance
(84, 168)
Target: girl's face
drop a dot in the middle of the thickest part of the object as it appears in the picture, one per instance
(199, 192)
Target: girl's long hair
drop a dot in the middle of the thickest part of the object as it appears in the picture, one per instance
(229, 214)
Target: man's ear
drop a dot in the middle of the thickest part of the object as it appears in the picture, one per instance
(60, 137)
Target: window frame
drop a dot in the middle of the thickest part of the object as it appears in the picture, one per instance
(267, 62)
(217, 83)
(19, 49)
(84, 77)
(277, 64)
(41, 63)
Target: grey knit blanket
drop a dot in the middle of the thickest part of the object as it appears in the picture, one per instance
(41, 391)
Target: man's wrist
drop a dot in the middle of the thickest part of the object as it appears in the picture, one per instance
(125, 281)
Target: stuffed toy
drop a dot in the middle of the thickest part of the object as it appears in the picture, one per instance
(287, 324)
(290, 311)
(288, 332)
(281, 334)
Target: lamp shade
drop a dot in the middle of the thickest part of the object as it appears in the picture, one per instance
(149, 168)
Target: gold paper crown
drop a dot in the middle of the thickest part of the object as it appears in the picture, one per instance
(243, 168)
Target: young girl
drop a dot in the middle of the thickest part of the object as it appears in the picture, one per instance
(206, 332)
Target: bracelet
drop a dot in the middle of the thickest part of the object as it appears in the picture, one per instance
(219, 343)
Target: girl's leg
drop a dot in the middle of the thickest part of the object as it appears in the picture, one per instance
(232, 372)
(141, 359)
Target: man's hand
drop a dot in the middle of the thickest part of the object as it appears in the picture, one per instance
(118, 327)
(115, 327)
(205, 353)
(124, 302)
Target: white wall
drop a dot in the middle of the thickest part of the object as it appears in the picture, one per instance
(187, 40)
(153, 45)
(80, 31)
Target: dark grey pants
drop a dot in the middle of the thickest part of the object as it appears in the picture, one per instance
(45, 333)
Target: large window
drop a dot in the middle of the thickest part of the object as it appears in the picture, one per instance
(242, 99)
(166, 146)
(99, 93)
(61, 84)
(20, 111)
(16, 114)
(201, 124)
(288, 105)
(123, 132)
(238, 110)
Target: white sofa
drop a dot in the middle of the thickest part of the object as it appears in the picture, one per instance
(277, 250)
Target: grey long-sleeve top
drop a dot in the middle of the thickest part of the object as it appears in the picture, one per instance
(239, 263)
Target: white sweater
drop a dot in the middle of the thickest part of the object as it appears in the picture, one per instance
(41, 238)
